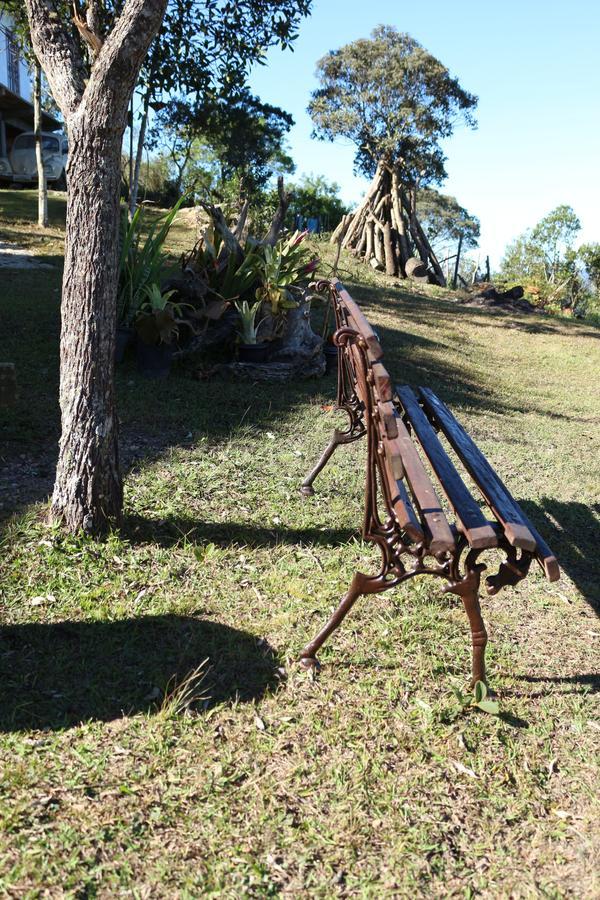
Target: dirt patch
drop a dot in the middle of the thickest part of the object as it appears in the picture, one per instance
(14, 257)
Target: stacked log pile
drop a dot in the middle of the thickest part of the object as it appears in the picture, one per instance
(386, 233)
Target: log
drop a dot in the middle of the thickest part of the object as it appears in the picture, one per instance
(388, 249)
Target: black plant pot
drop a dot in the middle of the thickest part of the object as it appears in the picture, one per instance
(331, 357)
(254, 353)
(154, 360)
(124, 338)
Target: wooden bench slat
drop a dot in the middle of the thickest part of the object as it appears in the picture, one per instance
(360, 321)
(387, 415)
(428, 505)
(545, 556)
(501, 502)
(382, 382)
(403, 508)
(468, 513)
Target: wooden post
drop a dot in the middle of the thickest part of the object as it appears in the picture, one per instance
(39, 147)
(456, 264)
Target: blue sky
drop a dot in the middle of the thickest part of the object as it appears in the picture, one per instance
(533, 64)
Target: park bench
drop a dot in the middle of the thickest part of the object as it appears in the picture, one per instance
(403, 514)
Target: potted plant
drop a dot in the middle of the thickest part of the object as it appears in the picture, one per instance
(157, 327)
(141, 261)
(250, 350)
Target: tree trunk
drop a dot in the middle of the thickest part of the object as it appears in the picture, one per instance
(135, 182)
(39, 150)
(88, 492)
(93, 100)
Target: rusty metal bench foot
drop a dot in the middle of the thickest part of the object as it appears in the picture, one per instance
(338, 437)
(348, 600)
(310, 663)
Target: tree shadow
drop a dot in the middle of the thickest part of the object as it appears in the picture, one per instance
(58, 675)
(173, 530)
(573, 531)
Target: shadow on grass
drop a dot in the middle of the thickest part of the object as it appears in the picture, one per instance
(580, 684)
(174, 530)
(572, 530)
(58, 675)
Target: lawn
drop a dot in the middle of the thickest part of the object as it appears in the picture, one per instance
(156, 737)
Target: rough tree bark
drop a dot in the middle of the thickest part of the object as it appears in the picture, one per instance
(39, 150)
(88, 489)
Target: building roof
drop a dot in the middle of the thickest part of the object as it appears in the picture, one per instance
(12, 103)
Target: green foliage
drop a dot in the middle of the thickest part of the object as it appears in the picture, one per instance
(282, 268)
(141, 260)
(203, 45)
(444, 220)
(478, 699)
(314, 196)
(393, 100)
(232, 135)
(543, 258)
(158, 319)
(248, 326)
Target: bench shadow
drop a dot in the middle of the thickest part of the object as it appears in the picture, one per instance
(173, 530)
(572, 530)
(579, 684)
(58, 675)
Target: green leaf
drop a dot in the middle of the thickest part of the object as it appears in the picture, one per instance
(480, 691)
(489, 706)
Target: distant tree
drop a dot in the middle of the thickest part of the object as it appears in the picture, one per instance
(444, 220)
(21, 31)
(589, 254)
(315, 197)
(206, 46)
(544, 257)
(395, 102)
(231, 137)
(588, 259)
(541, 252)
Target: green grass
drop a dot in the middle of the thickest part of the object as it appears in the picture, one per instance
(255, 780)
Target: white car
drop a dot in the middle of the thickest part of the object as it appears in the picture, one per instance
(22, 158)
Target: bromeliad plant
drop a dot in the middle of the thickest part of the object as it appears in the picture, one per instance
(282, 269)
(248, 330)
(158, 319)
(141, 261)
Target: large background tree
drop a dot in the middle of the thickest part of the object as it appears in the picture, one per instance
(204, 48)
(395, 102)
(92, 58)
(225, 144)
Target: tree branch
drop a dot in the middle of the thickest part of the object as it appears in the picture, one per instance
(116, 69)
(58, 53)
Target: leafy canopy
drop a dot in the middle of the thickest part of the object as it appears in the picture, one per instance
(201, 43)
(236, 135)
(393, 100)
(445, 220)
(314, 196)
(544, 253)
